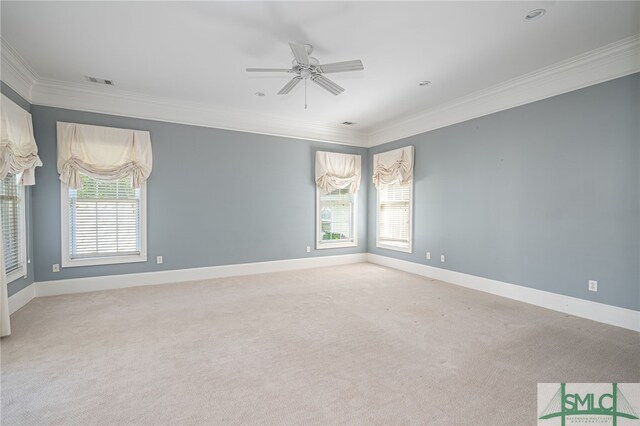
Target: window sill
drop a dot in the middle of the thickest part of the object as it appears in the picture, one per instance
(107, 260)
(341, 244)
(16, 275)
(390, 246)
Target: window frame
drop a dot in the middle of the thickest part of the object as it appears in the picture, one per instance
(322, 244)
(388, 246)
(22, 223)
(68, 262)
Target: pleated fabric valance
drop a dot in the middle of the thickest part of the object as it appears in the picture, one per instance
(18, 149)
(102, 153)
(393, 167)
(338, 171)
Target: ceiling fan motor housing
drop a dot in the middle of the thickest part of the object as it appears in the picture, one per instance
(313, 64)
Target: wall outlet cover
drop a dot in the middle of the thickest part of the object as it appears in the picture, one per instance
(428, 255)
(55, 267)
(442, 258)
(593, 285)
(159, 260)
(308, 249)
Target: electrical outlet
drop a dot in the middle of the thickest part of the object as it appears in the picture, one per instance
(55, 267)
(593, 285)
(308, 249)
(442, 258)
(159, 260)
(428, 255)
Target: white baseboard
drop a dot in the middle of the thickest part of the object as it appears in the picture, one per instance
(600, 312)
(21, 298)
(613, 315)
(108, 282)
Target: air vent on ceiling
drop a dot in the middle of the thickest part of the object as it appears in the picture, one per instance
(348, 123)
(99, 80)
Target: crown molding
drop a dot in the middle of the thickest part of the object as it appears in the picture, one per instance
(15, 71)
(109, 100)
(18, 75)
(605, 63)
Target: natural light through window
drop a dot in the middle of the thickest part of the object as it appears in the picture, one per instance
(336, 219)
(394, 217)
(105, 222)
(12, 210)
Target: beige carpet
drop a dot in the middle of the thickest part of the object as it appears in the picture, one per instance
(355, 344)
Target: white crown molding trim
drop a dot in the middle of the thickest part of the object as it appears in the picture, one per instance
(21, 298)
(605, 63)
(18, 75)
(612, 315)
(109, 282)
(109, 100)
(15, 71)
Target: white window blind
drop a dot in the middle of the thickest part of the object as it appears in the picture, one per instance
(104, 219)
(336, 218)
(12, 210)
(394, 216)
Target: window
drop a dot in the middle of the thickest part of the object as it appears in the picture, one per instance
(13, 227)
(394, 217)
(104, 222)
(336, 215)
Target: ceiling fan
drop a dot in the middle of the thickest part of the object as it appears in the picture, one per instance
(305, 67)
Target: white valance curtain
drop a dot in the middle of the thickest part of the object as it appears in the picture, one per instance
(393, 167)
(102, 153)
(18, 149)
(338, 171)
(18, 154)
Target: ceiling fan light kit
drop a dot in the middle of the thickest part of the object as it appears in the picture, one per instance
(306, 67)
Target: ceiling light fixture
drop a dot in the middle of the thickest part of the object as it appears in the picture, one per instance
(260, 94)
(424, 83)
(534, 14)
(348, 123)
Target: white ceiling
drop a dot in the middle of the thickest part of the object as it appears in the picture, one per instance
(197, 51)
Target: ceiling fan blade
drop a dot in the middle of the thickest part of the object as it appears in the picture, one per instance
(327, 84)
(290, 85)
(300, 53)
(269, 70)
(355, 65)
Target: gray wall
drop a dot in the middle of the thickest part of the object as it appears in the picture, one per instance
(19, 284)
(14, 96)
(546, 195)
(215, 197)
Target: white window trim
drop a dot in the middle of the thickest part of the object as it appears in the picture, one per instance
(68, 262)
(22, 212)
(320, 243)
(389, 246)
